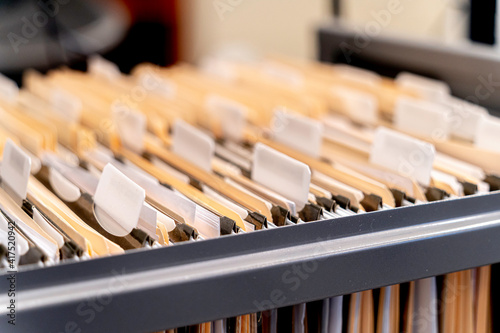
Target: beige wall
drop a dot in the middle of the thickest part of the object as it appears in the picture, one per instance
(288, 26)
(284, 26)
(439, 19)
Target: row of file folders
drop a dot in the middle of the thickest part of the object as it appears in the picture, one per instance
(99, 163)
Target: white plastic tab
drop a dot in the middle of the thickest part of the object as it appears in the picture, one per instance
(85, 180)
(359, 106)
(465, 117)
(131, 127)
(118, 202)
(15, 170)
(403, 154)
(99, 66)
(488, 134)
(429, 89)
(281, 174)
(422, 118)
(159, 193)
(166, 221)
(8, 89)
(298, 132)
(68, 106)
(483, 187)
(229, 114)
(65, 189)
(193, 145)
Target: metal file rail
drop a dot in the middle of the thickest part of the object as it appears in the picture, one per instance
(149, 290)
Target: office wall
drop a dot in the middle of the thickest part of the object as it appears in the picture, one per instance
(437, 19)
(288, 26)
(284, 26)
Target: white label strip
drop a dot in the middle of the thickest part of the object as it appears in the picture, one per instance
(15, 170)
(120, 199)
(298, 132)
(281, 174)
(131, 127)
(427, 88)
(403, 154)
(422, 118)
(229, 114)
(193, 145)
(488, 134)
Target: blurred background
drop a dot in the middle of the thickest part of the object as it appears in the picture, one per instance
(46, 32)
(43, 34)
